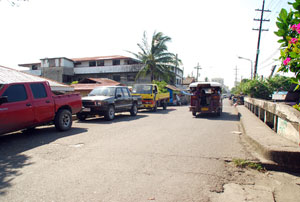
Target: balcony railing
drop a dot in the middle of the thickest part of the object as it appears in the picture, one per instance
(108, 69)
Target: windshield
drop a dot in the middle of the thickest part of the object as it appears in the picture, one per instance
(142, 89)
(104, 91)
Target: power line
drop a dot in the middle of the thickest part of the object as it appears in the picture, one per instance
(270, 57)
(268, 65)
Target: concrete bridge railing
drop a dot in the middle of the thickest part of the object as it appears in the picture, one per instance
(281, 118)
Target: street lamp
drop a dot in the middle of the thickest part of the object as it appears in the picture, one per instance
(251, 65)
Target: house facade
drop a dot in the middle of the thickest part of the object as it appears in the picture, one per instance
(118, 68)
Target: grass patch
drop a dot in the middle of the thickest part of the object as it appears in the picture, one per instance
(241, 163)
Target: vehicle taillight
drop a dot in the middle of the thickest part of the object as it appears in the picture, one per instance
(147, 101)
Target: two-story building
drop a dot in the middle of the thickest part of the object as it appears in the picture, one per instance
(119, 68)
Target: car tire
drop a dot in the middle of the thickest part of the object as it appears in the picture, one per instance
(155, 107)
(81, 117)
(63, 120)
(134, 110)
(219, 112)
(165, 106)
(110, 113)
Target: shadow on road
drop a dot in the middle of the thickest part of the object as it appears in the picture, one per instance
(225, 116)
(118, 118)
(159, 111)
(12, 145)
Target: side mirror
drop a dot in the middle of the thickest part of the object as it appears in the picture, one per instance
(3, 99)
(119, 95)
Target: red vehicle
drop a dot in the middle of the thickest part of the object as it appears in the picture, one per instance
(206, 98)
(29, 104)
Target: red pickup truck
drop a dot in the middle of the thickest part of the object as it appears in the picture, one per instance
(29, 104)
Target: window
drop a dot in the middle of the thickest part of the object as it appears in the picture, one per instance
(119, 92)
(16, 93)
(100, 63)
(51, 63)
(125, 92)
(92, 63)
(130, 78)
(117, 77)
(38, 90)
(34, 67)
(116, 62)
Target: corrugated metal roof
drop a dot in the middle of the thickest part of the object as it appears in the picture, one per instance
(173, 88)
(99, 82)
(100, 58)
(9, 75)
(103, 81)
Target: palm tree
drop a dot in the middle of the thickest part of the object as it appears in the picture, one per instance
(158, 62)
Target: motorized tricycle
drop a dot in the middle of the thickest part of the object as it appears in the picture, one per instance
(206, 98)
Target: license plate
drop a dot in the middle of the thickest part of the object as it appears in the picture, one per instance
(86, 109)
(204, 109)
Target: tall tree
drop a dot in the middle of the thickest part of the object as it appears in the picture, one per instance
(158, 61)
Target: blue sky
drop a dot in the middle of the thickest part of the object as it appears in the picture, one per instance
(211, 33)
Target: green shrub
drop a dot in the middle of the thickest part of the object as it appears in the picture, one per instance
(161, 86)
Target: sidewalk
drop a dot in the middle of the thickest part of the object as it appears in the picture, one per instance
(267, 143)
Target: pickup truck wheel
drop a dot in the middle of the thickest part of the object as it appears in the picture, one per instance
(134, 110)
(165, 106)
(63, 120)
(155, 107)
(110, 113)
(81, 116)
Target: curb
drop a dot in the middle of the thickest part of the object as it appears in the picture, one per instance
(283, 153)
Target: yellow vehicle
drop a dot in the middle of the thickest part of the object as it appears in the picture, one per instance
(151, 96)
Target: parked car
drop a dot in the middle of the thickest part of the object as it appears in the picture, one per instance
(29, 104)
(106, 101)
(151, 96)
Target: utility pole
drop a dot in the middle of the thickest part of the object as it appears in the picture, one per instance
(272, 71)
(235, 80)
(175, 70)
(259, 33)
(197, 67)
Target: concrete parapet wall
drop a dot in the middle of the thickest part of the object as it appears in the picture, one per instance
(282, 118)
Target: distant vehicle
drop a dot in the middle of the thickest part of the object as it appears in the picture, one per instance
(206, 98)
(29, 104)
(106, 101)
(151, 96)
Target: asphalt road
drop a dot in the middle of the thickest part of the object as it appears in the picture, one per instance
(156, 156)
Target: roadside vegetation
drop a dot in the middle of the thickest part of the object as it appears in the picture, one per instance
(263, 88)
(241, 163)
(288, 24)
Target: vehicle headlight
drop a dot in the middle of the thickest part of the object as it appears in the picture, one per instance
(98, 103)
